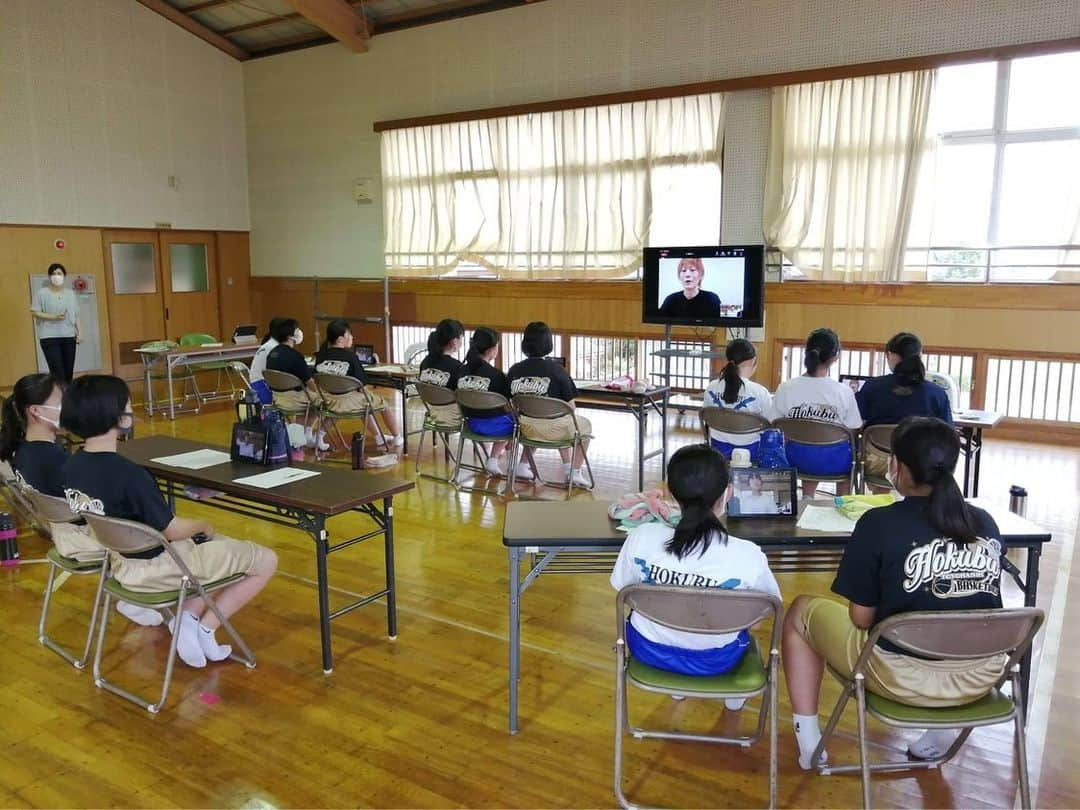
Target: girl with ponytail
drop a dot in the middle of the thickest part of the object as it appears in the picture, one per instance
(735, 390)
(930, 551)
(441, 368)
(480, 374)
(699, 553)
(31, 420)
(905, 391)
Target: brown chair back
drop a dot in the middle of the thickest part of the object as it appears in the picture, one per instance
(815, 432)
(482, 400)
(434, 394)
(731, 421)
(50, 508)
(958, 635)
(535, 407)
(124, 536)
(336, 384)
(282, 381)
(879, 437)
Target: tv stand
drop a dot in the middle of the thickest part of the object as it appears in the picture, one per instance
(667, 353)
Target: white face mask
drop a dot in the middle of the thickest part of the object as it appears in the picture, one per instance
(298, 337)
(890, 474)
(57, 279)
(46, 420)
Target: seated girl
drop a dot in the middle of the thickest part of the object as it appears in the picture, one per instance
(441, 368)
(815, 395)
(538, 375)
(930, 551)
(28, 443)
(258, 364)
(284, 357)
(735, 390)
(337, 356)
(480, 375)
(98, 480)
(698, 549)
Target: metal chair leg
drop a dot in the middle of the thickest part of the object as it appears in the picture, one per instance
(864, 754)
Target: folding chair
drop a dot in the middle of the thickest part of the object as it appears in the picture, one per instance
(336, 385)
(197, 339)
(129, 537)
(482, 401)
(957, 635)
(436, 396)
(874, 437)
(49, 509)
(699, 610)
(806, 437)
(280, 382)
(15, 495)
(739, 423)
(534, 407)
(181, 373)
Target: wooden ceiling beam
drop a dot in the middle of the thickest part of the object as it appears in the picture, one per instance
(206, 6)
(338, 19)
(197, 28)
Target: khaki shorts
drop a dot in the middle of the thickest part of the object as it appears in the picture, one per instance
(447, 415)
(208, 562)
(296, 400)
(354, 402)
(554, 430)
(827, 627)
(77, 542)
(877, 462)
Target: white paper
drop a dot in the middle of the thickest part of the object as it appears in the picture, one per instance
(195, 460)
(825, 519)
(276, 478)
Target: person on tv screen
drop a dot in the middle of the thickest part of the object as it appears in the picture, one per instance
(691, 301)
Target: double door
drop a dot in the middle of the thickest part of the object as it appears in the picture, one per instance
(161, 285)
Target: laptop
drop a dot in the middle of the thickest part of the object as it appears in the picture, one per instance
(763, 493)
(365, 353)
(855, 381)
(245, 334)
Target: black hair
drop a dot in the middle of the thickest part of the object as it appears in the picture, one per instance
(697, 476)
(537, 340)
(822, 345)
(910, 370)
(445, 331)
(335, 330)
(57, 266)
(93, 405)
(738, 351)
(929, 448)
(33, 389)
(284, 329)
(483, 340)
(270, 329)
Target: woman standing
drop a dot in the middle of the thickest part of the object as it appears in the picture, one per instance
(57, 311)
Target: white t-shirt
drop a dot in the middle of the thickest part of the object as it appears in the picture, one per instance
(736, 565)
(258, 362)
(817, 398)
(753, 398)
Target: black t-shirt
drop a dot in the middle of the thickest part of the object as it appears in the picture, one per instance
(341, 361)
(541, 377)
(702, 305)
(897, 562)
(286, 358)
(481, 376)
(885, 401)
(41, 464)
(108, 484)
(441, 370)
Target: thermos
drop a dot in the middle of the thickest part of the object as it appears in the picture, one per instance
(358, 450)
(1018, 500)
(9, 545)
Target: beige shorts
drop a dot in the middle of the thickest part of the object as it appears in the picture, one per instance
(77, 542)
(208, 562)
(827, 627)
(354, 402)
(554, 430)
(296, 400)
(446, 415)
(877, 462)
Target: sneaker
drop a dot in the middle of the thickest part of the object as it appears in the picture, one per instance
(297, 454)
(398, 441)
(320, 442)
(734, 704)
(579, 480)
(522, 472)
(492, 467)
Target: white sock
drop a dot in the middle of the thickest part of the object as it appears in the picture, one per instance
(933, 743)
(187, 641)
(210, 647)
(734, 704)
(147, 617)
(807, 735)
(566, 470)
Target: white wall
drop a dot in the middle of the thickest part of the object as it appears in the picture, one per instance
(310, 113)
(102, 100)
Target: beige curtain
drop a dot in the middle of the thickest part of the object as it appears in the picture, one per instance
(566, 194)
(842, 167)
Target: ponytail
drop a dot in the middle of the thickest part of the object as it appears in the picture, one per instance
(440, 337)
(822, 345)
(695, 530)
(910, 370)
(12, 431)
(698, 478)
(737, 352)
(949, 512)
(484, 339)
(33, 389)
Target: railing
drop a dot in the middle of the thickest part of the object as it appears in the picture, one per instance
(1045, 390)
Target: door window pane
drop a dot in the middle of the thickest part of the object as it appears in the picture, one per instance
(188, 266)
(133, 268)
(1043, 92)
(964, 97)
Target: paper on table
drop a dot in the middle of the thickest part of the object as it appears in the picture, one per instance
(195, 460)
(824, 519)
(275, 478)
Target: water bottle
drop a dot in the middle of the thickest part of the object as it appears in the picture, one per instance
(9, 545)
(1018, 500)
(358, 450)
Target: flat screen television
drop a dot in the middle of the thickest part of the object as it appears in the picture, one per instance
(718, 286)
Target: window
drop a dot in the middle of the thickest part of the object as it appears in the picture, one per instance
(133, 268)
(999, 197)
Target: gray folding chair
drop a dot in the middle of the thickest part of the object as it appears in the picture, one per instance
(129, 537)
(434, 396)
(337, 385)
(739, 423)
(874, 437)
(15, 494)
(950, 635)
(280, 382)
(482, 401)
(534, 407)
(49, 509)
(699, 610)
(815, 433)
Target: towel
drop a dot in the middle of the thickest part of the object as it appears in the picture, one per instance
(854, 507)
(652, 506)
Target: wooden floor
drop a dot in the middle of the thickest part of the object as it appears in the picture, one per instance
(421, 721)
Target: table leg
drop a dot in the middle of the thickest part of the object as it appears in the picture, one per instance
(1031, 591)
(168, 376)
(515, 635)
(976, 440)
(642, 422)
(967, 433)
(322, 548)
(148, 388)
(391, 588)
(404, 419)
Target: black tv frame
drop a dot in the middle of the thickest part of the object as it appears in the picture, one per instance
(753, 286)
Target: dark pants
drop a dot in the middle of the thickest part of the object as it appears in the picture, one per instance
(60, 355)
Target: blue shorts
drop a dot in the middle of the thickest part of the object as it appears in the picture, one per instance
(726, 448)
(829, 459)
(500, 426)
(260, 387)
(713, 661)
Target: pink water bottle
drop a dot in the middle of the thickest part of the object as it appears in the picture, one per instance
(9, 545)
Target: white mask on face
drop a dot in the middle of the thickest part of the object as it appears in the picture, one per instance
(46, 420)
(890, 474)
(57, 279)
(298, 337)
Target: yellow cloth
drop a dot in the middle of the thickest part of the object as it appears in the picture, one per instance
(854, 507)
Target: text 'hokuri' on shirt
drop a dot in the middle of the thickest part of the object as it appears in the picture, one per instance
(541, 377)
